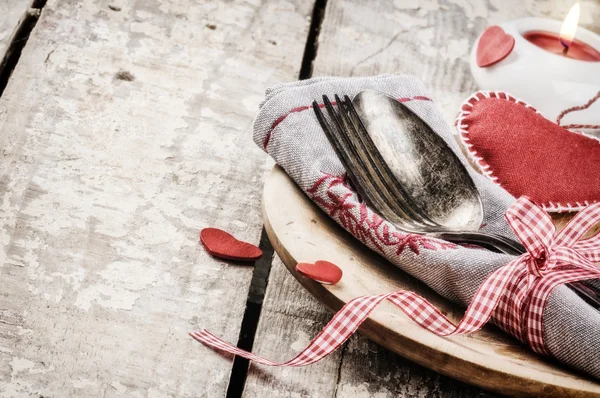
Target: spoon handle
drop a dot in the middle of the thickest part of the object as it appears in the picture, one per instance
(506, 245)
(492, 242)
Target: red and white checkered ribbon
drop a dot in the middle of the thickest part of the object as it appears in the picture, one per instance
(514, 295)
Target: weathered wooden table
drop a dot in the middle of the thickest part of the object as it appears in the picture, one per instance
(125, 129)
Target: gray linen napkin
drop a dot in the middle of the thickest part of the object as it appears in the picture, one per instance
(287, 129)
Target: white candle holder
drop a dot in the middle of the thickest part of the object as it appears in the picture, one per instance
(547, 81)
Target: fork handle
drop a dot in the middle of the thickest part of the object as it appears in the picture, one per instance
(506, 245)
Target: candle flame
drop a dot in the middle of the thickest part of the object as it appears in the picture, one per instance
(567, 32)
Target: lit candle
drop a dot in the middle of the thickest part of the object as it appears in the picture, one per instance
(565, 43)
(551, 42)
(551, 71)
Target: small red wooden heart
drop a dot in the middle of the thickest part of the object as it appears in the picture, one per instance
(223, 245)
(528, 155)
(321, 271)
(494, 45)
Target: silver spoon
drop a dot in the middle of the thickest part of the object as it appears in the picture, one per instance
(419, 160)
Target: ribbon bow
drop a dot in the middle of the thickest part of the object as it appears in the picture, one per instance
(548, 250)
(552, 259)
(515, 294)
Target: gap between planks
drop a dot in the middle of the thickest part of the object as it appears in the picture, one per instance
(18, 41)
(262, 268)
(256, 294)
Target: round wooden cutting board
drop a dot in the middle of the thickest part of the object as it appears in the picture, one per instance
(300, 231)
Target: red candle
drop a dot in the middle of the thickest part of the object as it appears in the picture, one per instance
(551, 42)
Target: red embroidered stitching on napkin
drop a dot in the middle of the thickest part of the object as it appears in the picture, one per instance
(369, 227)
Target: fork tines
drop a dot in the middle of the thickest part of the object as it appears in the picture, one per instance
(365, 166)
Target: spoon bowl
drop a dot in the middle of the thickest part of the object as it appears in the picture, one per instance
(421, 161)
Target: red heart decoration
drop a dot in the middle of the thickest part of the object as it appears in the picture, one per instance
(321, 271)
(223, 245)
(494, 45)
(527, 154)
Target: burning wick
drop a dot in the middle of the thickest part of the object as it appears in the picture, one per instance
(567, 32)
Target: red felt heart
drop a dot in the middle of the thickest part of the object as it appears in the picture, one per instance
(494, 45)
(527, 154)
(222, 244)
(321, 271)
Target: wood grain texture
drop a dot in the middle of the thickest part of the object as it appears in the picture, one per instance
(290, 319)
(122, 134)
(430, 39)
(11, 12)
(369, 370)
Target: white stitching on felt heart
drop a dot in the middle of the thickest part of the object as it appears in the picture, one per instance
(478, 160)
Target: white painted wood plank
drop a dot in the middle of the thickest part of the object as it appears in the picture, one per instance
(430, 39)
(369, 370)
(122, 134)
(11, 11)
(290, 319)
